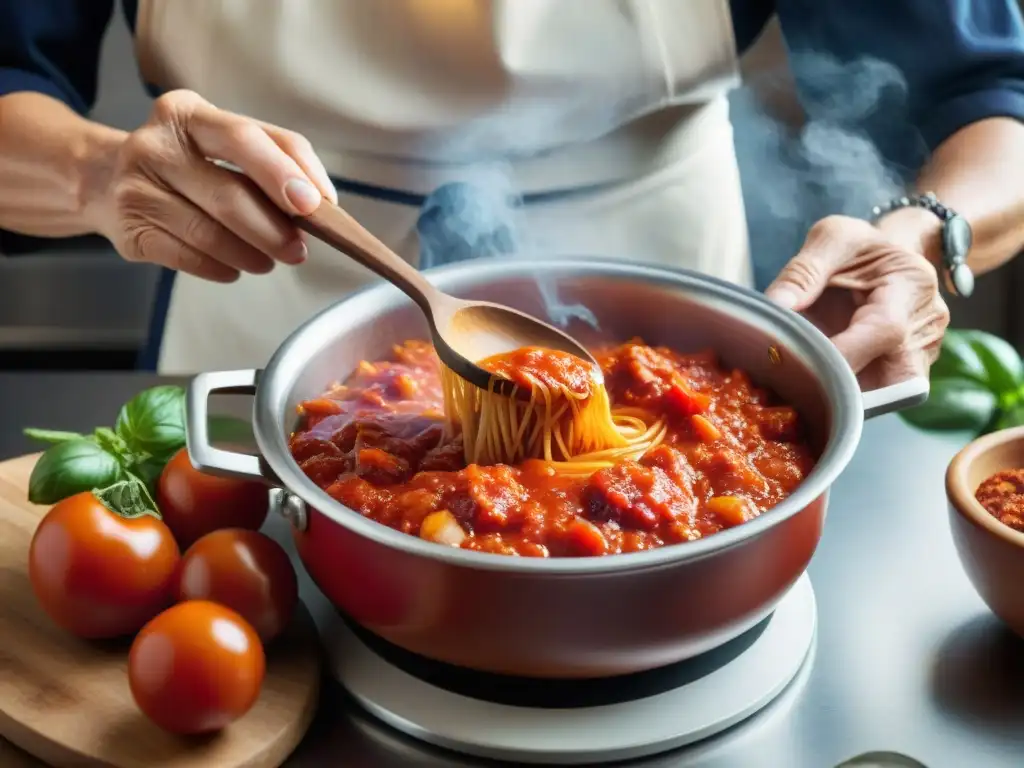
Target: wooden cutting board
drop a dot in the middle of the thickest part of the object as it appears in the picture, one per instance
(67, 703)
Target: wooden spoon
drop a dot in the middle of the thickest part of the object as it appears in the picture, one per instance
(462, 331)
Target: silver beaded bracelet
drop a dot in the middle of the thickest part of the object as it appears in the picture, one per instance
(957, 238)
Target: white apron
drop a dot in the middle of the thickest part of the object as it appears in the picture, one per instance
(621, 101)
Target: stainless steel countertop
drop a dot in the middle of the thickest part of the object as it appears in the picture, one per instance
(908, 659)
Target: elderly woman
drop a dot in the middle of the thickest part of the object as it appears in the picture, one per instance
(607, 118)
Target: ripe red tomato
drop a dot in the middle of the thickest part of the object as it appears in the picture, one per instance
(193, 503)
(98, 574)
(196, 668)
(245, 571)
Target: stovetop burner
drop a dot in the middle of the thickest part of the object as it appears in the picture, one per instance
(577, 721)
(558, 694)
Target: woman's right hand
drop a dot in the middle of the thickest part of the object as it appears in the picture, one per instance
(160, 200)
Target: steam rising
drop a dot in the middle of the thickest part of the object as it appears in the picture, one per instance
(854, 151)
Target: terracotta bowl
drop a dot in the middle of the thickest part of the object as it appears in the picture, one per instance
(991, 553)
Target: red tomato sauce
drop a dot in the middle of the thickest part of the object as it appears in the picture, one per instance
(378, 445)
(1002, 495)
(552, 368)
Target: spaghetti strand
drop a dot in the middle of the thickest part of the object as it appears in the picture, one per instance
(555, 414)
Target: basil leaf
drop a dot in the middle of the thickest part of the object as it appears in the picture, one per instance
(69, 468)
(1004, 368)
(51, 435)
(128, 498)
(958, 359)
(954, 404)
(153, 422)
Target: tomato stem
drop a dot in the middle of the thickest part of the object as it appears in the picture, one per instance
(128, 498)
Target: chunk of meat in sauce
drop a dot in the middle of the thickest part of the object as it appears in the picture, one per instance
(408, 437)
(319, 459)
(729, 472)
(641, 373)
(381, 467)
(1002, 495)
(383, 448)
(648, 378)
(325, 468)
(445, 457)
(487, 498)
(641, 496)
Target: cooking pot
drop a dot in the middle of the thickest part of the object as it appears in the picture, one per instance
(558, 617)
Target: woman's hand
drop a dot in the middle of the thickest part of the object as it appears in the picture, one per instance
(878, 301)
(159, 199)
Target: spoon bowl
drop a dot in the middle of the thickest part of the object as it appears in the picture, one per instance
(462, 331)
(474, 330)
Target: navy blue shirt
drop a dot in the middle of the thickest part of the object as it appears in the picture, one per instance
(963, 60)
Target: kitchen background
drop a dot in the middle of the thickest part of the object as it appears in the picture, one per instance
(75, 304)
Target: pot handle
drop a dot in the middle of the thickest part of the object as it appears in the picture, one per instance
(896, 397)
(204, 457)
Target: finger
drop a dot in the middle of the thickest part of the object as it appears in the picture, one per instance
(878, 328)
(237, 204)
(157, 246)
(195, 228)
(934, 328)
(830, 244)
(242, 142)
(300, 150)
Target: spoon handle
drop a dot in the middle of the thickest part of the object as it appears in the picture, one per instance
(338, 229)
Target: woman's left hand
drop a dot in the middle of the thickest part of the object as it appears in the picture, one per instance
(878, 301)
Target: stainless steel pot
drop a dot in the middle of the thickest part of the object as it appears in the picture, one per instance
(569, 617)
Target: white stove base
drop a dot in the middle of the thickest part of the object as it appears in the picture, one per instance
(585, 735)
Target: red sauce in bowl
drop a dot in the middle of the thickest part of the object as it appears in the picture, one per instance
(378, 445)
(1002, 495)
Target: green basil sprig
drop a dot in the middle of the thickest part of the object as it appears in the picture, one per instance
(122, 465)
(977, 384)
(149, 430)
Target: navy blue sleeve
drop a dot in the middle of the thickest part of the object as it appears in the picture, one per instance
(962, 60)
(53, 47)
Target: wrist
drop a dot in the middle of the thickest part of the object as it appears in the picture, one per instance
(915, 229)
(95, 159)
(946, 242)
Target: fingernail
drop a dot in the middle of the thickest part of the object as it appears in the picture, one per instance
(303, 196)
(296, 252)
(784, 297)
(320, 177)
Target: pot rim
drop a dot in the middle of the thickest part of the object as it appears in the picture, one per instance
(830, 367)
